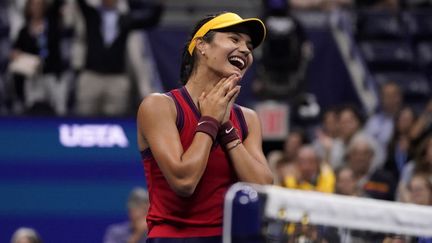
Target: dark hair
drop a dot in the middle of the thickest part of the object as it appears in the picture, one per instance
(188, 60)
(354, 110)
(421, 164)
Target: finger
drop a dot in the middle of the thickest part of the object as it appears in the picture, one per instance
(217, 86)
(232, 94)
(201, 97)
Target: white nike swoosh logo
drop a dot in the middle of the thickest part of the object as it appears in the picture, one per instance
(199, 123)
(229, 130)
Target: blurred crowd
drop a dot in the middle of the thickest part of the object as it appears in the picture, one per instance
(76, 57)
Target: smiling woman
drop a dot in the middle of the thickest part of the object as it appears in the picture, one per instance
(195, 141)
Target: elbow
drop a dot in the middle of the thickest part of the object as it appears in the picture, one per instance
(184, 188)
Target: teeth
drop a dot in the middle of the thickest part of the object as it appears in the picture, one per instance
(238, 59)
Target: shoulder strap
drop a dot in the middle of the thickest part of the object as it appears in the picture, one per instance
(180, 115)
(240, 117)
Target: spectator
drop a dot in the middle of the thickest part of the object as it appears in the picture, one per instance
(399, 151)
(372, 182)
(346, 183)
(423, 125)
(422, 163)
(420, 192)
(103, 87)
(38, 43)
(310, 173)
(381, 124)
(135, 229)
(350, 123)
(281, 161)
(25, 235)
(326, 135)
(420, 189)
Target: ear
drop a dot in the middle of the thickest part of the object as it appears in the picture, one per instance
(201, 45)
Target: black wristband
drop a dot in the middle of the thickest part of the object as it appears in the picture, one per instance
(227, 133)
(208, 125)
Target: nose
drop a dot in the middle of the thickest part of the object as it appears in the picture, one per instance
(244, 49)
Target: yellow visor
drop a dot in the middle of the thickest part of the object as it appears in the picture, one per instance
(256, 28)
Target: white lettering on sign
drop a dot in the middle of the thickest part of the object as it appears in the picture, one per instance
(92, 135)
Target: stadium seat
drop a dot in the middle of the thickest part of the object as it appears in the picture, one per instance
(373, 24)
(387, 55)
(419, 24)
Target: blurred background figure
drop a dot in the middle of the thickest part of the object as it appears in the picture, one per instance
(372, 181)
(310, 172)
(420, 189)
(381, 124)
(135, 229)
(346, 183)
(422, 163)
(103, 87)
(25, 235)
(36, 67)
(282, 161)
(400, 149)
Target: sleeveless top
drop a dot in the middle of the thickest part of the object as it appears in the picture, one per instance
(200, 214)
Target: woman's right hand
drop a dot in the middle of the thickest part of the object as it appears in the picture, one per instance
(215, 102)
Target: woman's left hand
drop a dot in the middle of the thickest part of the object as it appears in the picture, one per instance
(235, 87)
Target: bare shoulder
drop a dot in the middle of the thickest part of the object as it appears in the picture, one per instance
(156, 103)
(250, 115)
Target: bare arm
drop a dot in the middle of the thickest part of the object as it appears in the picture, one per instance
(182, 169)
(157, 129)
(248, 158)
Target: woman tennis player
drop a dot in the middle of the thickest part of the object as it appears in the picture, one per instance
(195, 141)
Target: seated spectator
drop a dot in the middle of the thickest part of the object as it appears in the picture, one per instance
(310, 173)
(25, 235)
(381, 124)
(422, 163)
(372, 182)
(346, 183)
(420, 192)
(423, 125)
(350, 124)
(326, 134)
(281, 160)
(420, 189)
(399, 150)
(135, 229)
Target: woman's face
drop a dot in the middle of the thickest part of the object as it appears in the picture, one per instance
(420, 193)
(345, 182)
(228, 53)
(349, 124)
(405, 120)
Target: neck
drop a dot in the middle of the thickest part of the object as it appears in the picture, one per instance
(200, 82)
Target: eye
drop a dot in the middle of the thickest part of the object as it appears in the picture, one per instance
(234, 39)
(250, 47)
